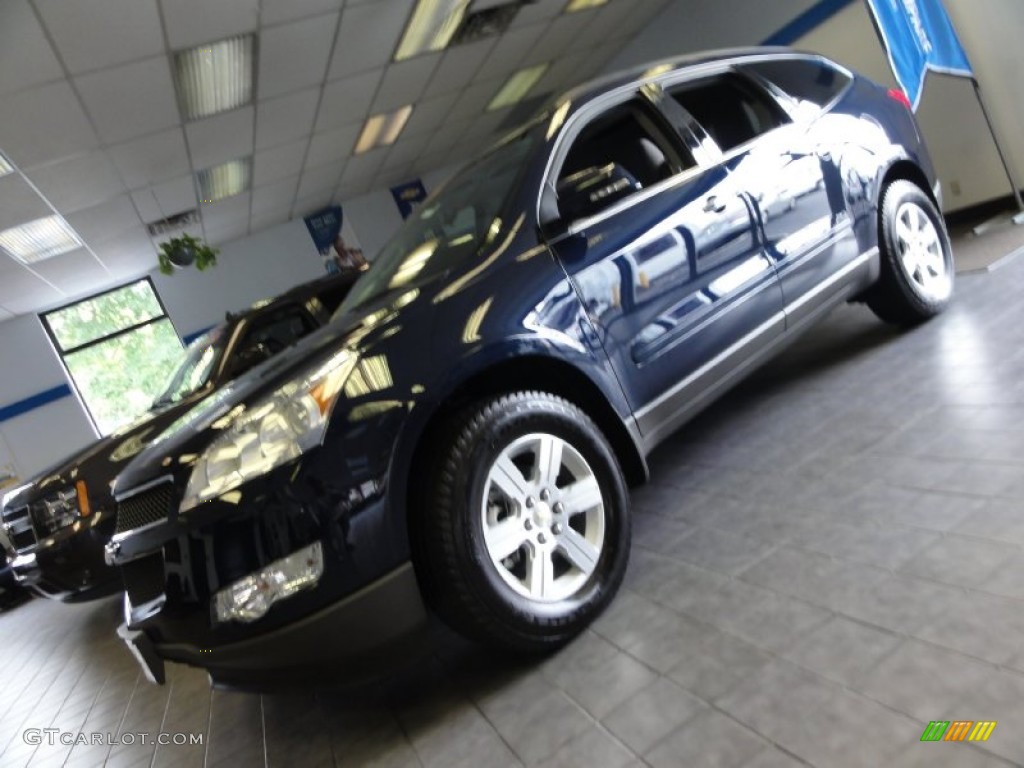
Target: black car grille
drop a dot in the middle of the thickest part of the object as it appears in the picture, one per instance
(144, 579)
(145, 508)
(21, 534)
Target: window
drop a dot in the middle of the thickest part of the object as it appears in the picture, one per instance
(120, 349)
(730, 109)
(811, 83)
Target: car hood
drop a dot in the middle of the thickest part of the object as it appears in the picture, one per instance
(191, 432)
(100, 462)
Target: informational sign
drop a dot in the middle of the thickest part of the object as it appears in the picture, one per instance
(409, 196)
(918, 36)
(335, 240)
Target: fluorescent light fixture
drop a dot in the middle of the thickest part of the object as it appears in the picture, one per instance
(225, 180)
(5, 167)
(39, 239)
(215, 77)
(432, 26)
(383, 129)
(517, 86)
(582, 5)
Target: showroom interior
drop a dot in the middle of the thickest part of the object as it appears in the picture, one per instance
(825, 562)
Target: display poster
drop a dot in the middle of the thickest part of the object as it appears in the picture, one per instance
(335, 240)
(409, 196)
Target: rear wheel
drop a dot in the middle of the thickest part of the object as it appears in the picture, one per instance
(526, 529)
(916, 282)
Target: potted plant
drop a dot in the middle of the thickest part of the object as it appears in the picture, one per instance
(184, 251)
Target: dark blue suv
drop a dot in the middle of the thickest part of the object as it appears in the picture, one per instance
(461, 437)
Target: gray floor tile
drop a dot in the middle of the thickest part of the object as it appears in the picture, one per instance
(651, 715)
(711, 739)
(843, 650)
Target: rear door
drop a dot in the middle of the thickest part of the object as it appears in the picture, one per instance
(673, 275)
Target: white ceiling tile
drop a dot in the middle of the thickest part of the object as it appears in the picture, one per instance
(540, 11)
(92, 34)
(349, 190)
(129, 101)
(21, 291)
(316, 181)
(309, 205)
(365, 165)
(484, 127)
(606, 24)
(220, 138)
(429, 114)
(404, 82)
(332, 146)
(270, 165)
(191, 22)
(448, 135)
(5, 315)
(105, 221)
(405, 151)
(176, 196)
(230, 209)
(429, 162)
(147, 206)
(130, 253)
(73, 272)
(475, 99)
(286, 118)
(270, 219)
(151, 159)
(227, 233)
(278, 196)
(368, 36)
(26, 58)
(458, 67)
(80, 182)
(19, 202)
(295, 55)
(390, 177)
(44, 124)
(276, 11)
(558, 38)
(348, 100)
(509, 51)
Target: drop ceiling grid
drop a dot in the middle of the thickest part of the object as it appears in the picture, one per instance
(93, 129)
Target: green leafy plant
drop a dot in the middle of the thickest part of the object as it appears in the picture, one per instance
(184, 251)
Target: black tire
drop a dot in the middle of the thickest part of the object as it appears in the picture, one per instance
(901, 296)
(461, 580)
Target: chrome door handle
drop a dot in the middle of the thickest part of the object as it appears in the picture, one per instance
(713, 206)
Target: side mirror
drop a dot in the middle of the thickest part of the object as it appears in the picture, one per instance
(594, 189)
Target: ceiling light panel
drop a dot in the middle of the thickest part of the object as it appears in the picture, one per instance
(582, 5)
(383, 129)
(516, 87)
(432, 26)
(215, 77)
(40, 239)
(224, 180)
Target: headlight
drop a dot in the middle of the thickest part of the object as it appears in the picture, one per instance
(271, 432)
(58, 510)
(250, 598)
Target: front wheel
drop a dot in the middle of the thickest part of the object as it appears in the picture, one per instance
(916, 281)
(526, 529)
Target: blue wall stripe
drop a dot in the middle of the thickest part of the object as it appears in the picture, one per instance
(807, 21)
(186, 340)
(35, 401)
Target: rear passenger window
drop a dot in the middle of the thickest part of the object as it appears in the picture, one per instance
(732, 110)
(811, 83)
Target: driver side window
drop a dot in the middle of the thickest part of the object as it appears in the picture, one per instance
(622, 151)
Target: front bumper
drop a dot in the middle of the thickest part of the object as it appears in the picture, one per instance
(357, 638)
(69, 565)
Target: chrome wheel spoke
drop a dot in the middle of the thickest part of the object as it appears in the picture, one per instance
(578, 551)
(505, 538)
(549, 460)
(922, 253)
(582, 495)
(510, 480)
(541, 574)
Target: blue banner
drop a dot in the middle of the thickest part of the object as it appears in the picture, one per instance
(408, 196)
(324, 227)
(918, 36)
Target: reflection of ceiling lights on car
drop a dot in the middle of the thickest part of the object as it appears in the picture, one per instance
(517, 86)
(39, 239)
(224, 180)
(432, 26)
(5, 167)
(215, 77)
(383, 129)
(582, 5)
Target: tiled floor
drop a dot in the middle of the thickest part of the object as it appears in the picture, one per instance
(825, 562)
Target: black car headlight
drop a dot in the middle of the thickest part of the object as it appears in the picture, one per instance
(270, 432)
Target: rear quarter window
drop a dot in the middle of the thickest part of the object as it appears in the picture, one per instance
(811, 83)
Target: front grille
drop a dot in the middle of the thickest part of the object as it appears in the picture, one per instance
(21, 534)
(144, 579)
(145, 508)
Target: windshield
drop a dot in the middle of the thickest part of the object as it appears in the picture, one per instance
(195, 370)
(450, 227)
